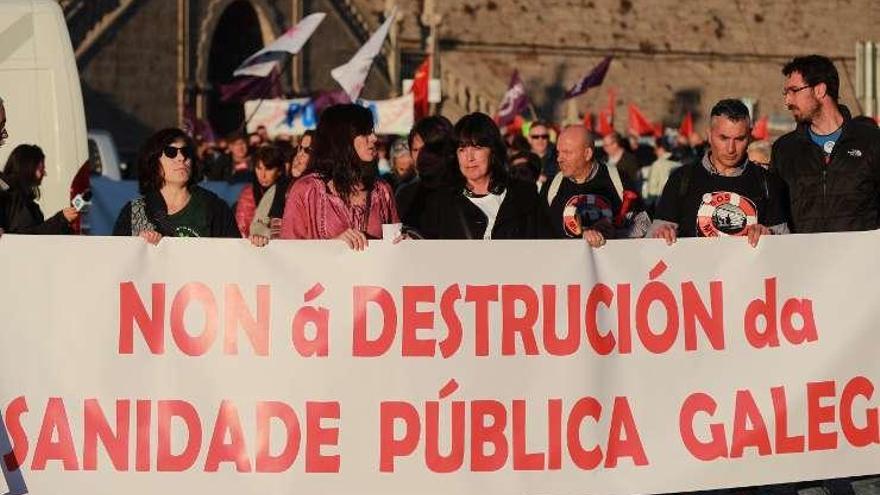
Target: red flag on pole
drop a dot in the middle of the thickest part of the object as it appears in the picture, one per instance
(420, 89)
(761, 132)
(612, 102)
(638, 123)
(687, 126)
(604, 126)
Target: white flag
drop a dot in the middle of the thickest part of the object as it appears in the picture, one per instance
(261, 63)
(352, 75)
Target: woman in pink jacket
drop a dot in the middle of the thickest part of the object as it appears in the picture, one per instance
(340, 196)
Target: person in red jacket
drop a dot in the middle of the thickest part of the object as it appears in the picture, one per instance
(268, 171)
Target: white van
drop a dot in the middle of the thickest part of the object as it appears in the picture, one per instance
(39, 84)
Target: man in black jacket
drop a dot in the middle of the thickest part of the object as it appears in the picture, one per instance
(830, 162)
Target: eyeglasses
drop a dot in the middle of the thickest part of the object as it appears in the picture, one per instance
(171, 152)
(793, 91)
(539, 136)
(305, 149)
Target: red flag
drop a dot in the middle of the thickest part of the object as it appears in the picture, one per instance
(658, 129)
(516, 126)
(588, 121)
(420, 88)
(638, 123)
(760, 132)
(604, 126)
(612, 102)
(687, 126)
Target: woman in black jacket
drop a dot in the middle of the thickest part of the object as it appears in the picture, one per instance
(172, 204)
(485, 202)
(19, 190)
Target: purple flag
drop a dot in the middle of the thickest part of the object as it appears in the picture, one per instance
(252, 88)
(324, 99)
(514, 102)
(591, 80)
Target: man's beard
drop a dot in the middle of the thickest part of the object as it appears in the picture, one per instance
(802, 115)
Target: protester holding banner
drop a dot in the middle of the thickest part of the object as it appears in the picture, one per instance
(340, 196)
(268, 173)
(434, 171)
(486, 203)
(725, 194)
(19, 212)
(585, 199)
(171, 203)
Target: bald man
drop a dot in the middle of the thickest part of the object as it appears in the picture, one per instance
(582, 197)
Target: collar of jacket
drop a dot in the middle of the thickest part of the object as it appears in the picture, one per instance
(707, 164)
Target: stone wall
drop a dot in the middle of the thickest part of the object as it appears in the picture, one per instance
(668, 53)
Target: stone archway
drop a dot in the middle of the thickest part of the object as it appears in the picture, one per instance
(231, 30)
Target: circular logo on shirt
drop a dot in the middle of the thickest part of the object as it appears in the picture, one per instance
(583, 210)
(829, 147)
(184, 231)
(725, 213)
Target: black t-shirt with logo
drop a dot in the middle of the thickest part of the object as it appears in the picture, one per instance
(577, 206)
(192, 220)
(712, 205)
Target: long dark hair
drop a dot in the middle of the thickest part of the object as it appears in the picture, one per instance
(21, 169)
(333, 155)
(478, 129)
(148, 166)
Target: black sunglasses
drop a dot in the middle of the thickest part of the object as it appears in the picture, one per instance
(305, 149)
(171, 151)
(540, 136)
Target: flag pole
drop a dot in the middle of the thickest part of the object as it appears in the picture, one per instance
(532, 111)
(275, 78)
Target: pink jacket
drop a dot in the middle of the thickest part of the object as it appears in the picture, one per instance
(244, 210)
(313, 212)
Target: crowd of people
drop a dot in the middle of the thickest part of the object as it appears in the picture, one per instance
(468, 180)
(471, 180)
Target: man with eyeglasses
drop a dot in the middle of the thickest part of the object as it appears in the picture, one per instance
(831, 163)
(539, 141)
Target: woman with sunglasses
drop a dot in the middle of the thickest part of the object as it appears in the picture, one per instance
(171, 203)
(340, 196)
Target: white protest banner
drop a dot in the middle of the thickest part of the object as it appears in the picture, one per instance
(293, 117)
(209, 366)
(394, 116)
